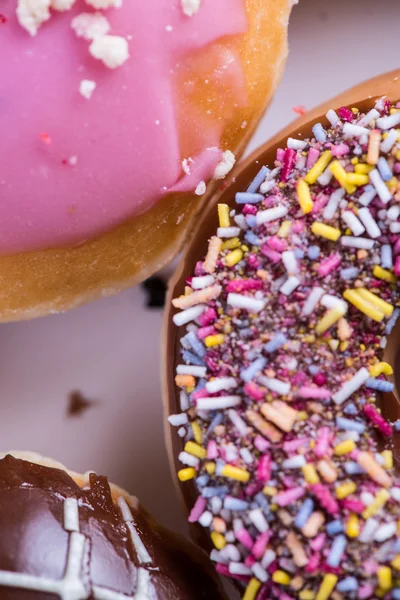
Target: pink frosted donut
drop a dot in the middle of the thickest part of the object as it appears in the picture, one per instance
(114, 117)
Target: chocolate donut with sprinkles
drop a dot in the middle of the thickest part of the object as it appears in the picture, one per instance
(287, 319)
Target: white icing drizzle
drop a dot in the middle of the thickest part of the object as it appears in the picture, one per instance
(71, 515)
(143, 556)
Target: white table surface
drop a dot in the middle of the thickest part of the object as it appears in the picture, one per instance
(110, 350)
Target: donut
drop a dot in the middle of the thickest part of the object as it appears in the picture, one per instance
(283, 319)
(118, 121)
(69, 536)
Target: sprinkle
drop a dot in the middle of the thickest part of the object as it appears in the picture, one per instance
(341, 176)
(199, 283)
(355, 298)
(349, 584)
(299, 556)
(253, 369)
(218, 403)
(310, 474)
(385, 532)
(380, 273)
(252, 589)
(357, 242)
(329, 319)
(373, 147)
(389, 121)
(234, 257)
(225, 165)
(374, 470)
(385, 578)
(383, 306)
(275, 385)
(195, 449)
(384, 169)
(326, 231)
(191, 370)
(245, 302)
(266, 429)
(389, 142)
(220, 383)
(178, 420)
(271, 214)
(296, 144)
(304, 513)
(344, 447)
(281, 577)
(380, 187)
(198, 297)
(228, 232)
(223, 215)
(214, 340)
(351, 386)
(337, 551)
(258, 180)
(353, 526)
(350, 130)
(319, 167)
(248, 198)
(319, 133)
(350, 425)
(186, 474)
(353, 222)
(370, 116)
(312, 300)
(187, 459)
(279, 413)
(290, 285)
(214, 248)
(296, 462)
(218, 540)
(332, 117)
(380, 385)
(369, 222)
(366, 198)
(278, 341)
(327, 586)
(185, 381)
(235, 473)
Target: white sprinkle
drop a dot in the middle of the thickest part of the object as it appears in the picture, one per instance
(290, 262)
(218, 403)
(228, 232)
(184, 401)
(71, 514)
(356, 242)
(296, 144)
(259, 572)
(393, 213)
(333, 203)
(194, 370)
(368, 531)
(256, 516)
(221, 383)
(380, 104)
(370, 116)
(188, 459)
(215, 556)
(237, 422)
(231, 552)
(267, 186)
(86, 88)
(237, 568)
(366, 197)
(290, 285)
(252, 305)
(190, 7)
(199, 283)
(351, 386)
(367, 498)
(182, 432)
(369, 222)
(246, 455)
(178, 420)
(350, 130)
(62, 5)
(186, 165)
(384, 532)
(201, 188)
(275, 385)
(353, 222)
(380, 186)
(312, 300)
(395, 493)
(295, 462)
(206, 519)
(104, 4)
(326, 177)
(268, 558)
(112, 50)
(332, 117)
(334, 302)
(389, 121)
(225, 165)
(190, 314)
(90, 25)
(389, 142)
(271, 214)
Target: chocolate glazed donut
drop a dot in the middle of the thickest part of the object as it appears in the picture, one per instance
(61, 538)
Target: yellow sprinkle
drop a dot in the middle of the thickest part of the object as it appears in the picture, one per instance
(365, 307)
(398, 155)
(214, 340)
(384, 274)
(244, 248)
(357, 179)
(302, 415)
(344, 448)
(354, 160)
(325, 231)
(198, 436)
(379, 368)
(383, 306)
(363, 168)
(195, 449)
(387, 456)
(396, 562)
(329, 319)
(210, 468)
(344, 346)
(392, 182)
(218, 540)
(385, 578)
(355, 110)
(281, 577)
(252, 589)
(310, 474)
(353, 526)
(269, 490)
(284, 229)
(223, 215)
(341, 176)
(309, 339)
(319, 167)
(231, 244)
(345, 490)
(235, 473)
(186, 474)
(304, 195)
(379, 501)
(327, 586)
(233, 257)
(306, 595)
(349, 362)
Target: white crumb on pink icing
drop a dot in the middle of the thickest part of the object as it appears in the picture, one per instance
(86, 88)
(186, 165)
(62, 5)
(90, 25)
(201, 188)
(113, 50)
(104, 4)
(32, 14)
(190, 7)
(225, 165)
(73, 160)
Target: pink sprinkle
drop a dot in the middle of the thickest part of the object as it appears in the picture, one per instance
(290, 496)
(322, 445)
(264, 468)
(373, 415)
(396, 249)
(212, 449)
(353, 505)
(280, 154)
(313, 563)
(207, 317)
(298, 226)
(249, 561)
(294, 445)
(199, 269)
(198, 509)
(253, 488)
(273, 256)
(329, 264)
(325, 498)
(340, 150)
(242, 285)
(299, 378)
(346, 114)
(277, 243)
(254, 391)
(365, 591)
(200, 394)
(319, 204)
(224, 570)
(313, 155)
(288, 163)
(318, 542)
(261, 544)
(265, 591)
(249, 209)
(203, 332)
(307, 391)
(245, 538)
(319, 379)
(252, 261)
(397, 265)
(396, 168)
(261, 443)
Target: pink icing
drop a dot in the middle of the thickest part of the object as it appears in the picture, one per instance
(125, 138)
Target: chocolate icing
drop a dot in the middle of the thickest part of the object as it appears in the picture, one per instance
(34, 541)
